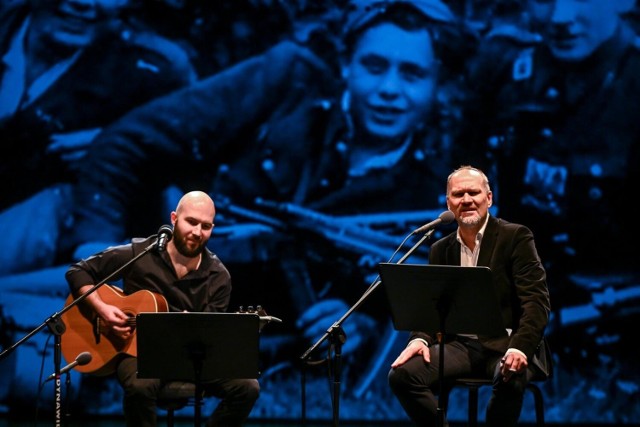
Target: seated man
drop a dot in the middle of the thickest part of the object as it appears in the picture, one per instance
(521, 287)
(191, 278)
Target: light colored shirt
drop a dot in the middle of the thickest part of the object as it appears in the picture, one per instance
(468, 257)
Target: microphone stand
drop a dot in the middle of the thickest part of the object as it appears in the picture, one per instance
(57, 327)
(67, 414)
(336, 336)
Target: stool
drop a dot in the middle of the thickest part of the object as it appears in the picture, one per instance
(173, 396)
(474, 384)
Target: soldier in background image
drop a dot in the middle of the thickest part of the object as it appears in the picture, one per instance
(68, 68)
(557, 121)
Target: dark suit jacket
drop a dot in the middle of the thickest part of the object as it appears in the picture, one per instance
(519, 279)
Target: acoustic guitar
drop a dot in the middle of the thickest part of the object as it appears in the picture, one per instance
(85, 332)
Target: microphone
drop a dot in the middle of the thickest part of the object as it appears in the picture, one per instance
(445, 217)
(165, 233)
(81, 359)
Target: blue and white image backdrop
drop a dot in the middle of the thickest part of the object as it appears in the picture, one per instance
(325, 132)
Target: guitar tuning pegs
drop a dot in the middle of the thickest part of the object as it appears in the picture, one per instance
(241, 309)
(250, 309)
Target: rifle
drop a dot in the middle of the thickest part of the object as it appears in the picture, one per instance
(362, 234)
(354, 233)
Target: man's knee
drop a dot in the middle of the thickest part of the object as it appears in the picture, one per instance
(398, 378)
(252, 389)
(141, 389)
(514, 387)
(246, 390)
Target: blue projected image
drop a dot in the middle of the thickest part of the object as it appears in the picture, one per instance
(325, 133)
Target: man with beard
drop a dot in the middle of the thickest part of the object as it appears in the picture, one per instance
(520, 283)
(191, 278)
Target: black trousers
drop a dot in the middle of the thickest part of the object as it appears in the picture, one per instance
(416, 383)
(237, 397)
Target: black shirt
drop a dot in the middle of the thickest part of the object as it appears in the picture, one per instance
(206, 289)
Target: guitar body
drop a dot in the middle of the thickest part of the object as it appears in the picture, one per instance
(84, 331)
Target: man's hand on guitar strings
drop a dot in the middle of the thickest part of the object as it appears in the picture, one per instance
(118, 321)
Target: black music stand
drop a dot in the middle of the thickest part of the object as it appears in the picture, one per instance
(442, 299)
(197, 347)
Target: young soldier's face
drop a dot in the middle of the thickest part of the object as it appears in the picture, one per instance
(574, 29)
(392, 80)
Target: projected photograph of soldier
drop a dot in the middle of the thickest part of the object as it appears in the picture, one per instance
(324, 130)
(68, 70)
(312, 155)
(553, 116)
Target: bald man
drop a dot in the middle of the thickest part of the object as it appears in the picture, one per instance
(191, 278)
(519, 279)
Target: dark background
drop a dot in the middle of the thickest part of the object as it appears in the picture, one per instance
(593, 381)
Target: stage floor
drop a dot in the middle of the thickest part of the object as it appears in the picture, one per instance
(113, 422)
